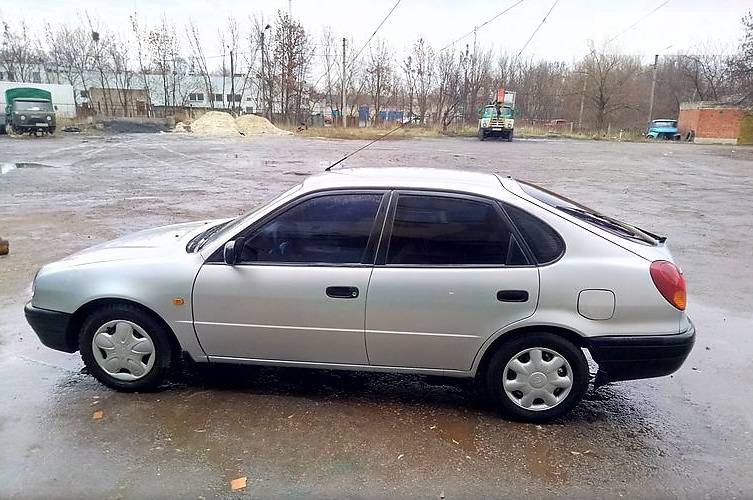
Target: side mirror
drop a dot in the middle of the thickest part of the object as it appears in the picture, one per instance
(233, 250)
(228, 253)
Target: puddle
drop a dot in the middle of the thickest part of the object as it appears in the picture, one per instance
(9, 167)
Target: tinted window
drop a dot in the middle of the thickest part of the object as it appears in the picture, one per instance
(444, 231)
(329, 229)
(543, 241)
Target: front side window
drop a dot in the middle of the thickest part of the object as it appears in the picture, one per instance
(329, 229)
(436, 230)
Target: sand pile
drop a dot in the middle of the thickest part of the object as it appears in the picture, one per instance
(257, 125)
(182, 127)
(215, 123)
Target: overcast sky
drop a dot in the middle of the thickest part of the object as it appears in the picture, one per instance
(681, 24)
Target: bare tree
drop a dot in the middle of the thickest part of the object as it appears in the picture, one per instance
(449, 83)
(293, 52)
(379, 75)
(609, 75)
(708, 70)
(199, 60)
(118, 53)
(141, 36)
(742, 63)
(409, 78)
(19, 56)
(423, 59)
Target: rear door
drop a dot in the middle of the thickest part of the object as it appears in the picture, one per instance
(450, 272)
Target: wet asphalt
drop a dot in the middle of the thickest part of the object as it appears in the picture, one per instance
(301, 433)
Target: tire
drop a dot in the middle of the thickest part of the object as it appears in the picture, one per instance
(481, 135)
(539, 411)
(509, 136)
(109, 324)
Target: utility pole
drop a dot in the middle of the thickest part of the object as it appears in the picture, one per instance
(653, 89)
(232, 83)
(342, 100)
(263, 94)
(582, 101)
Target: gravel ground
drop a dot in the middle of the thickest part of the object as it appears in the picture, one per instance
(296, 432)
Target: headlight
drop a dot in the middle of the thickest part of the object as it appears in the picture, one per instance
(49, 118)
(23, 117)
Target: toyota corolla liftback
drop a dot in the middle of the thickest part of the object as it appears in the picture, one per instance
(442, 272)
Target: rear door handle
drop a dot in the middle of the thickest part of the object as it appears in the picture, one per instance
(512, 296)
(342, 292)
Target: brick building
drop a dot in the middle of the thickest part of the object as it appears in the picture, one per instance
(715, 123)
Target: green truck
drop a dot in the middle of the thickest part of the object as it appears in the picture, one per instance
(496, 118)
(28, 110)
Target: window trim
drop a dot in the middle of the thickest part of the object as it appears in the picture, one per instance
(384, 241)
(371, 245)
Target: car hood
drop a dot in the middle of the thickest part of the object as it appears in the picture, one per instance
(663, 130)
(142, 244)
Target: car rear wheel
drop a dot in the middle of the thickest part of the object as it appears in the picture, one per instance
(537, 377)
(125, 348)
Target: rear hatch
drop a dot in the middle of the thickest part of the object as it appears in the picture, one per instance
(639, 241)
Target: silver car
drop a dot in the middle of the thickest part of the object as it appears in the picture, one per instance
(440, 272)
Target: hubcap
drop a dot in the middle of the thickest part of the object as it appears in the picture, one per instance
(123, 350)
(537, 379)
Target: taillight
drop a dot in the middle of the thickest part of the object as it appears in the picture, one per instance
(670, 283)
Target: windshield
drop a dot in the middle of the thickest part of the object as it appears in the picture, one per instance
(589, 215)
(32, 105)
(202, 239)
(664, 124)
(491, 112)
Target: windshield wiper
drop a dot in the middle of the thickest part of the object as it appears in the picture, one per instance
(200, 240)
(611, 224)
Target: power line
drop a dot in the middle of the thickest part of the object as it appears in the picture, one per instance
(538, 28)
(476, 28)
(618, 35)
(375, 31)
(363, 47)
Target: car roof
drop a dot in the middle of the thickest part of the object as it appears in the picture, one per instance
(407, 178)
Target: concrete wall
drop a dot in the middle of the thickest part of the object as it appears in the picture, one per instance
(710, 124)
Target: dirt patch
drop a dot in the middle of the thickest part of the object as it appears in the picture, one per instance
(215, 123)
(257, 125)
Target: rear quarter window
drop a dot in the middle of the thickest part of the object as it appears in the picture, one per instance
(545, 243)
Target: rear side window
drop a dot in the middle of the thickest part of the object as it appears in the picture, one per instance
(331, 229)
(544, 242)
(436, 230)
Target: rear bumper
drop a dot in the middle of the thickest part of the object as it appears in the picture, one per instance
(51, 327)
(634, 357)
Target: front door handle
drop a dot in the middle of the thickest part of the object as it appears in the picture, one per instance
(512, 296)
(342, 292)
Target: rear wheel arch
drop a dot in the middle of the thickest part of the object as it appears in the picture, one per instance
(569, 335)
(79, 317)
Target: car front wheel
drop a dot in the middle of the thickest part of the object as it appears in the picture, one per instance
(125, 348)
(537, 377)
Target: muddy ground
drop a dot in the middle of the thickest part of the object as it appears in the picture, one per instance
(299, 433)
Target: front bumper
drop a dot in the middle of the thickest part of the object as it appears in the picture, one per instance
(634, 357)
(51, 327)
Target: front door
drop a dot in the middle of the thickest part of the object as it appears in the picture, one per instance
(299, 290)
(450, 275)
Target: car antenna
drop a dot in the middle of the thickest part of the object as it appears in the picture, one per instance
(363, 147)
